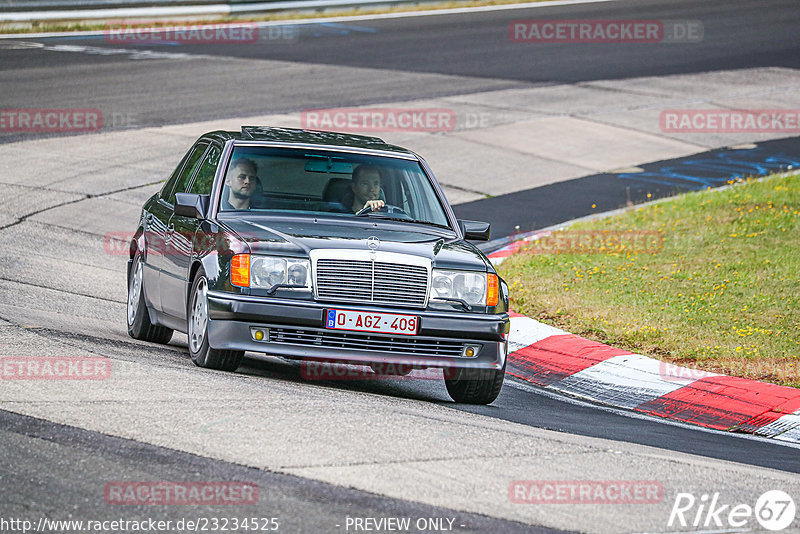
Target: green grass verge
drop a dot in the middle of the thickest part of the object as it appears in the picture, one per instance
(68, 26)
(709, 280)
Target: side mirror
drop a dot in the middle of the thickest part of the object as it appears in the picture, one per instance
(191, 205)
(475, 230)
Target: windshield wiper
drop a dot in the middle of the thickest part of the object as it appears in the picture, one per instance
(415, 221)
(459, 301)
(363, 211)
(366, 213)
(271, 291)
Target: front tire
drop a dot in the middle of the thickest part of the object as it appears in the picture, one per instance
(197, 317)
(475, 386)
(139, 324)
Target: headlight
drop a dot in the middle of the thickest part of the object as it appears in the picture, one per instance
(475, 288)
(265, 272)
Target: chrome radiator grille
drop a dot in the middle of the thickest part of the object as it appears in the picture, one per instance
(371, 282)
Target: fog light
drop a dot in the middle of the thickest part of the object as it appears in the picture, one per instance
(470, 351)
(259, 334)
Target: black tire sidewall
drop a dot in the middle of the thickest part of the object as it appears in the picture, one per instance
(476, 386)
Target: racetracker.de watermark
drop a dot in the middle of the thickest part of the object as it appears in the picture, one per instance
(733, 367)
(173, 244)
(55, 368)
(586, 492)
(380, 119)
(408, 370)
(50, 120)
(606, 31)
(127, 33)
(730, 121)
(596, 242)
(180, 493)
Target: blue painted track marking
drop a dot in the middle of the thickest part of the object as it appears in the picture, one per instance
(716, 169)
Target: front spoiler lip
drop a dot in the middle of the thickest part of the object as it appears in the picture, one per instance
(235, 335)
(231, 318)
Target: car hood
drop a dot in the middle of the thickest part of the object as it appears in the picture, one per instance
(265, 235)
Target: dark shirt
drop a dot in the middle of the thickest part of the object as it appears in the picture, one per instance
(256, 201)
(224, 204)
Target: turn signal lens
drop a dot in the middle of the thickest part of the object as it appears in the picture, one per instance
(240, 270)
(492, 290)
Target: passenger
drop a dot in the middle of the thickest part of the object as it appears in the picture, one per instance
(242, 182)
(365, 189)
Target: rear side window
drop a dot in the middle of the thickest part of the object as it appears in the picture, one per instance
(169, 185)
(182, 181)
(205, 175)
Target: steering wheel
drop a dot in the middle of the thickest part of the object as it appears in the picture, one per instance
(387, 208)
(390, 208)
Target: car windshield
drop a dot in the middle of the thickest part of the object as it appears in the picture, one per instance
(339, 184)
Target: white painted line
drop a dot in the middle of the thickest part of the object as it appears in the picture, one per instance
(131, 52)
(790, 436)
(787, 425)
(195, 10)
(449, 11)
(626, 381)
(526, 331)
(112, 13)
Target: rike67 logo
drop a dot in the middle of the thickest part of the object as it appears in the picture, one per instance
(774, 510)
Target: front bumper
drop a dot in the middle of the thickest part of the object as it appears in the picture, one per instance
(296, 328)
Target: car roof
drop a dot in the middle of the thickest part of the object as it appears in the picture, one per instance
(307, 137)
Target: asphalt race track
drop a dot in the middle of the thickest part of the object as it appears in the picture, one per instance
(325, 66)
(321, 452)
(303, 505)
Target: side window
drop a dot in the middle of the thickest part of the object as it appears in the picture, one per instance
(169, 185)
(205, 175)
(182, 181)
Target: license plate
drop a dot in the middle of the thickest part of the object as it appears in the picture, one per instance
(388, 323)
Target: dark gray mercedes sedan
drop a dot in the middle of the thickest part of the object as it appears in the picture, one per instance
(317, 246)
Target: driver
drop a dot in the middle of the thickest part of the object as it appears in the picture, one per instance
(366, 188)
(242, 180)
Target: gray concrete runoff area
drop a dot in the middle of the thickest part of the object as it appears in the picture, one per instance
(525, 138)
(522, 138)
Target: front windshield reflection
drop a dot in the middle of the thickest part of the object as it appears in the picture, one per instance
(339, 184)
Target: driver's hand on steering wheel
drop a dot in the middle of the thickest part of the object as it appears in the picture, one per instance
(374, 205)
